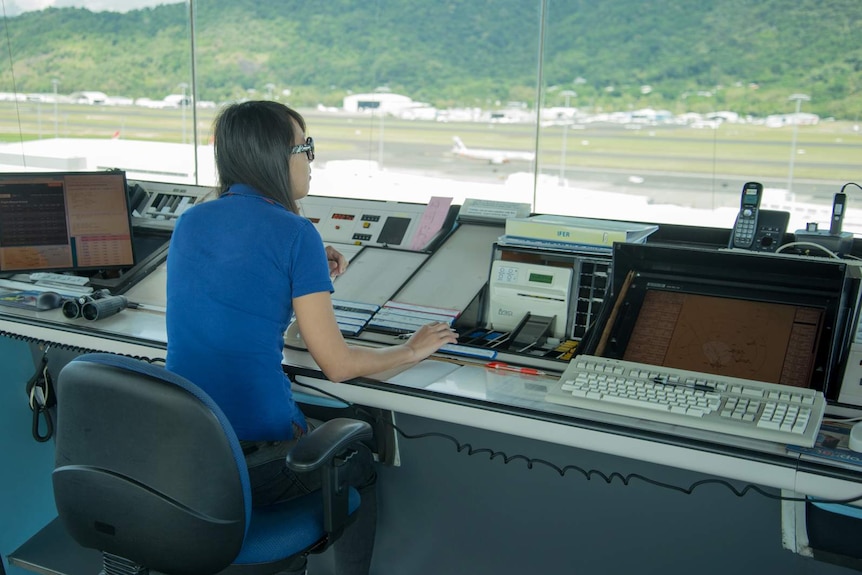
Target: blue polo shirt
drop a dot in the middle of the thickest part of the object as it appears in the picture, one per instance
(234, 266)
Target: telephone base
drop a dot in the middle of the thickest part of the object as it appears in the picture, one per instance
(841, 243)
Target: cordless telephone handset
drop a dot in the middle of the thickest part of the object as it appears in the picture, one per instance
(838, 205)
(746, 221)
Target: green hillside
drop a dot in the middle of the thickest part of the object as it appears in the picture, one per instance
(743, 55)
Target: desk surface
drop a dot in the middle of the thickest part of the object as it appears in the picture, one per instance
(466, 393)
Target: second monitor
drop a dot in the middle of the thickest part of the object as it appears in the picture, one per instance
(777, 319)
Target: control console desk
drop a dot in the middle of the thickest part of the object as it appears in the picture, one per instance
(463, 391)
(461, 397)
(453, 390)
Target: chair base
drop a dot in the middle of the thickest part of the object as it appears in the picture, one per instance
(116, 565)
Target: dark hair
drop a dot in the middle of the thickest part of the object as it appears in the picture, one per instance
(252, 142)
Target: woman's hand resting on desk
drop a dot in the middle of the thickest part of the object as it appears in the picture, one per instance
(429, 338)
(337, 262)
(340, 361)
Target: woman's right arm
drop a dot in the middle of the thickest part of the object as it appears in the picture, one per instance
(340, 361)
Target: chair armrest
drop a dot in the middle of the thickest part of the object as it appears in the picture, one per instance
(326, 441)
(318, 450)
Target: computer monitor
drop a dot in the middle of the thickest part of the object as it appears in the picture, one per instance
(753, 316)
(74, 221)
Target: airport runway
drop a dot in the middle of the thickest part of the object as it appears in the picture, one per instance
(703, 191)
(425, 148)
(697, 179)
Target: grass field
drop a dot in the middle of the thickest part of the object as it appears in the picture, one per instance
(830, 151)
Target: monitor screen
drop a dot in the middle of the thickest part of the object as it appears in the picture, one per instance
(751, 316)
(64, 222)
(749, 339)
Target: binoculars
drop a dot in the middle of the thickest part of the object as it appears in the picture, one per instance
(98, 305)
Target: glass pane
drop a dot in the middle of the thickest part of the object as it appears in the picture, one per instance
(647, 113)
(99, 86)
(386, 90)
(658, 113)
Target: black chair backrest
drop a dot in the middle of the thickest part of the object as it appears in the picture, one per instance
(147, 467)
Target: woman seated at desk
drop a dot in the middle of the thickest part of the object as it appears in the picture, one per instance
(238, 268)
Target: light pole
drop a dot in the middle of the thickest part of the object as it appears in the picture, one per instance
(55, 82)
(798, 98)
(567, 94)
(183, 86)
(380, 90)
(380, 141)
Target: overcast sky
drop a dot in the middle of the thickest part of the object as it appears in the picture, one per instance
(14, 7)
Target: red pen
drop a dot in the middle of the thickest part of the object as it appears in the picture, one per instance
(515, 368)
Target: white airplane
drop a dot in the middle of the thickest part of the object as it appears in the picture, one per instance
(493, 156)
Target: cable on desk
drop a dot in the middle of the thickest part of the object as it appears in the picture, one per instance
(841, 419)
(43, 343)
(828, 252)
(844, 187)
(587, 474)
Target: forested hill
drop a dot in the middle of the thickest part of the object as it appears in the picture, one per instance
(745, 55)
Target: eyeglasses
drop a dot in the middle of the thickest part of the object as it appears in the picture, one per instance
(307, 148)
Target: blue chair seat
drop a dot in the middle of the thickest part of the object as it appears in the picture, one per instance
(288, 527)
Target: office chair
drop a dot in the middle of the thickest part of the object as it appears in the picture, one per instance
(149, 472)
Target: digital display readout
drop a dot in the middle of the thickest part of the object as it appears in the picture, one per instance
(541, 278)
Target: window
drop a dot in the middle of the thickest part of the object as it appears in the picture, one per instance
(647, 112)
